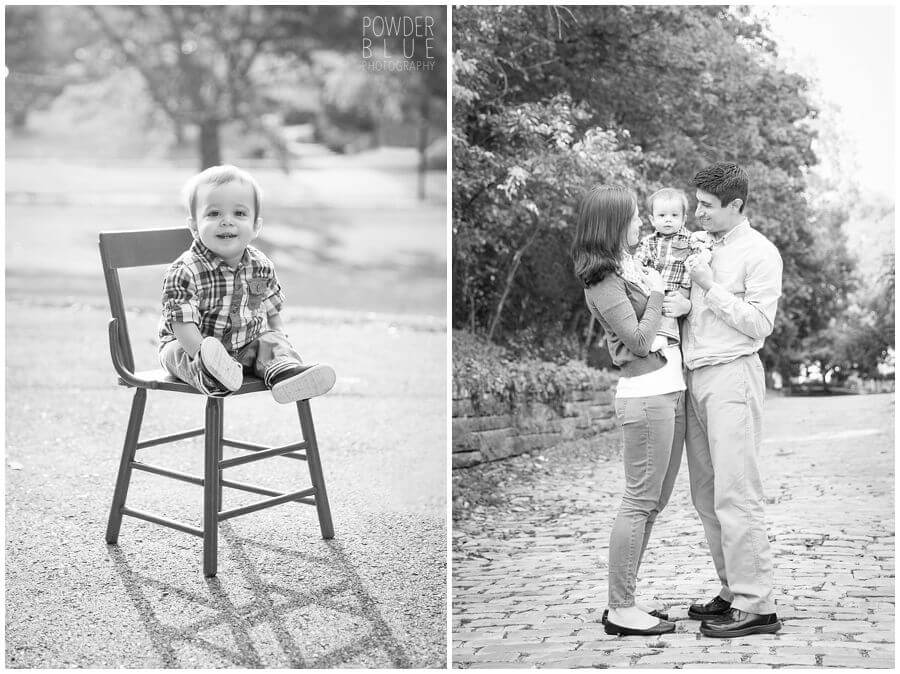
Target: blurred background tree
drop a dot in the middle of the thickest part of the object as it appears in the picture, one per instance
(670, 89)
(40, 59)
(272, 74)
(110, 108)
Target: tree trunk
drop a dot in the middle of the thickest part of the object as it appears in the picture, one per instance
(586, 345)
(423, 141)
(510, 277)
(210, 147)
(19, 119)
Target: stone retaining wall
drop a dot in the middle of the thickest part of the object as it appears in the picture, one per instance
(499, 428)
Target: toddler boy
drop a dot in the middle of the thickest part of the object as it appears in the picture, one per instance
(221, 299)
(668, 246)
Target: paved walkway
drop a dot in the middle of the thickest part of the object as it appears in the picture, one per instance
(529, 568)
(374, 596)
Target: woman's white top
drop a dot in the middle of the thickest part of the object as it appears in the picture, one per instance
(666, 379)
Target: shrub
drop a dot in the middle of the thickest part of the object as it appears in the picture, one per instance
(483, 371)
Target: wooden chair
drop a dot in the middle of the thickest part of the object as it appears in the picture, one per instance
(120, 250)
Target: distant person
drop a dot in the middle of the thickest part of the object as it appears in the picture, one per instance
(733, 303)
(221, 299)
(626, 299)
(668, 246)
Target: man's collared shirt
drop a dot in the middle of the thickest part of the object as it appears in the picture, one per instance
(733, 318)
(229, 304)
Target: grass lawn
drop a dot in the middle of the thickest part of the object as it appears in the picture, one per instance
(343, 235)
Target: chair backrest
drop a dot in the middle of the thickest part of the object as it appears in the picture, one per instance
(136, 248)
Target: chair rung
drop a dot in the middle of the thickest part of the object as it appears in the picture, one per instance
(251, 488)
(156, 519)
(261, 454)
(150, 468)
(240, 444)
(269, 502)
(194, 479)
(253, 447)
(170, 438)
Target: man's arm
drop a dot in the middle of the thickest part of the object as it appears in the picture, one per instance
(754, 313)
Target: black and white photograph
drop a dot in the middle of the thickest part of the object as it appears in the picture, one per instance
(673, 343)
(226, 336)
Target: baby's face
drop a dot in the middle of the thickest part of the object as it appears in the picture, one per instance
(225, 220)
(667, 216)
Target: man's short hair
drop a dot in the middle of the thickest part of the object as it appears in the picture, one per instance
(726, 180)
(668, 193)
(220, 175)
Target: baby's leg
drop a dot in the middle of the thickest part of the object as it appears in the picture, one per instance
(281, 367)
(176, 361)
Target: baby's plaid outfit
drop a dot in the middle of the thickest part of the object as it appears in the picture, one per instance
(666, 253)
(231, 305)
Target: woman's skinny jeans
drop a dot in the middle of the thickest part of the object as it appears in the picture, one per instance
(653, 431)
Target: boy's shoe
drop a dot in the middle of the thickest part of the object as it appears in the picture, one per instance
(204, 383)
(218, 364)
(300, 381)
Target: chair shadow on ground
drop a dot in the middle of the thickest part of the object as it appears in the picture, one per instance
(326, 591)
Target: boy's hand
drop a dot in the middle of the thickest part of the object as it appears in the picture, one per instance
(700, 271)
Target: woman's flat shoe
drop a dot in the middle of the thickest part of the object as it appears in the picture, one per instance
(655, 614)
(662, 627)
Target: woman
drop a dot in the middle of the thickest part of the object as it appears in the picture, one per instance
(626, 299)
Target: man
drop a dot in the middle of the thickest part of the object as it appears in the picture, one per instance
(733, 299)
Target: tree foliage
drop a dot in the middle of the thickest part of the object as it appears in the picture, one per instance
(650, 94)
(40, 57)
(205, 66)
(198, 61)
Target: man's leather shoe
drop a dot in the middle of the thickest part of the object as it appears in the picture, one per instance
(740, 623)
(662, 627)
(716, 607)
(654, 613)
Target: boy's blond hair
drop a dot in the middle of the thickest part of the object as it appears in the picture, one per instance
(219, 175)
(668, 193)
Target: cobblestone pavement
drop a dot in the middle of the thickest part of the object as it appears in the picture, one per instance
(529, 567)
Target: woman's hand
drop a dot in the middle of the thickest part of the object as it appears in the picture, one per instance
(654, 280)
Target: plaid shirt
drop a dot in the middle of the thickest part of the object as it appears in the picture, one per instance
(666, 254)
(231, 305)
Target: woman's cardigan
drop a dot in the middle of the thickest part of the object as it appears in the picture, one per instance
(630, 320)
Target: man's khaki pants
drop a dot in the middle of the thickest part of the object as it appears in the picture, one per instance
(722, 443)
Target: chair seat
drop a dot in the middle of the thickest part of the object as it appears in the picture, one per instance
(166, 382)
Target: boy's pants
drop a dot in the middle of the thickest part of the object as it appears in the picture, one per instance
(265, 356)
(722, 443)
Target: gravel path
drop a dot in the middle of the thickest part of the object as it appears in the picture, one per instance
(374, 596)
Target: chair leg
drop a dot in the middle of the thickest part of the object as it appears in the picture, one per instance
(211, 485)
(220, 454)
(124, 477)
(315, 468)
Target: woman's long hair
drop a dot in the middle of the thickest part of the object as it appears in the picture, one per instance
(604, 215)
